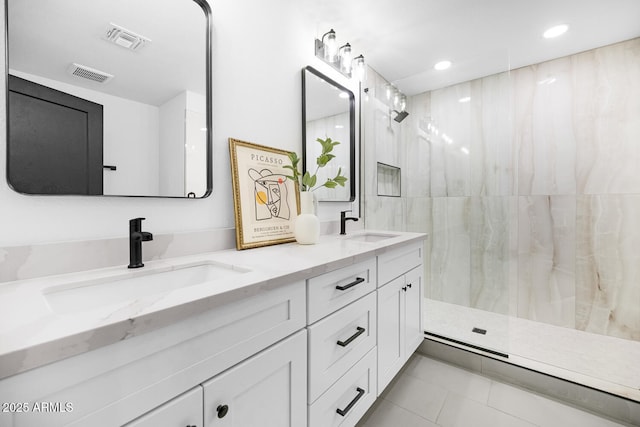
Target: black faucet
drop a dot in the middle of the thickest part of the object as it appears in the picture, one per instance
(136, 237)
(344, 219)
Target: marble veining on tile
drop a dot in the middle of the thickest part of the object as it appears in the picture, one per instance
(490, 223)
(493, 162)
(450, 142)
(608, 265)
(450, 250)
(546, 259)
(543, 128)
(605, 119)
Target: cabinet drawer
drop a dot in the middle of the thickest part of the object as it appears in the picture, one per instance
(337, 342)
(397, 262)
(352, 395)
(331, 291)
(184, 410)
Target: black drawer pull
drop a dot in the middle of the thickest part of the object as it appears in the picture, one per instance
(349, 285)
(404, 288)
(222, 410)
(352, 337)
(409, 285)
(344, 411)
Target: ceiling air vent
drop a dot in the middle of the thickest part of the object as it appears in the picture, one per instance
(125, 38)
(88, 73)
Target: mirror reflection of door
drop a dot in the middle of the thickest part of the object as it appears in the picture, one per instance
(146, 62)
(41, 121)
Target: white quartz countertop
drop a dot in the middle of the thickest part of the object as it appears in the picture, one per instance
(33, 332)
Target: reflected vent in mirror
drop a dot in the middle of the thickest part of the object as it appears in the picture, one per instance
(125, 38)
(89, 73)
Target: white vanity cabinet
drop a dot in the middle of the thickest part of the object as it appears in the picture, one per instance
(399, 310)
(183, 411)
(342, 338)
(267, 390)
(286, 350)
(136, 377)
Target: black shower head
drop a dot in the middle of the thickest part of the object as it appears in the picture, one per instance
(401, 115)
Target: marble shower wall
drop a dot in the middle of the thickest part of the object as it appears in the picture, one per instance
(395, 144)
(528, 184)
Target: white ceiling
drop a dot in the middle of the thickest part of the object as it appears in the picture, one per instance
(402, 40)
(45, 37)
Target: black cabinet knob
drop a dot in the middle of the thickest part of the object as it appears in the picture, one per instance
(222, 410)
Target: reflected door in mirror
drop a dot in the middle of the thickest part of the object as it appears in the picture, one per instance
(41, 121)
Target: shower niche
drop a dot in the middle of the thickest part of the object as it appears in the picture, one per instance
(389, 180)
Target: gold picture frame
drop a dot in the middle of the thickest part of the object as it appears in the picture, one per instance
(266, 201)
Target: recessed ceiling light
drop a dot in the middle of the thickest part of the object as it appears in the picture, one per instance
(465, 99)
(555, 31)
(442, 65)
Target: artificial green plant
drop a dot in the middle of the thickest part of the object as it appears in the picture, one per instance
(308, 181)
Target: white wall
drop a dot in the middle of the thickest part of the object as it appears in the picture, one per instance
(195, 147)
(172, 142)
(259, 50)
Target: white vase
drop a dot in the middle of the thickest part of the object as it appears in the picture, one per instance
(307, 225)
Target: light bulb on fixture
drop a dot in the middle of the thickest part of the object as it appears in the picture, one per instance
(345, 58)
(396, 100)
(330, 46)
(359, 68)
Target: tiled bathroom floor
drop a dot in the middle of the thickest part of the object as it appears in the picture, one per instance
(430, 393)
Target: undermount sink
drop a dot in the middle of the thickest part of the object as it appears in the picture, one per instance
(371, 237)
(131, 285)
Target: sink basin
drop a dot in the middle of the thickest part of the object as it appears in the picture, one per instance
(370, 237)
(132, 285)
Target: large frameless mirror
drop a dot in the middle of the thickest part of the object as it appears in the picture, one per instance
(109, 97)
(328, 111)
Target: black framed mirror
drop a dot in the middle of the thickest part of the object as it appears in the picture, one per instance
(109, 97)
(328, 110)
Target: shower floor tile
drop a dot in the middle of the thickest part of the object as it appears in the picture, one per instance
(598, 361)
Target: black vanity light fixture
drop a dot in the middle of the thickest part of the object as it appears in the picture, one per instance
(341, 58)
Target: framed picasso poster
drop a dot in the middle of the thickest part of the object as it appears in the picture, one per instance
(266, 201)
